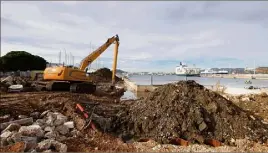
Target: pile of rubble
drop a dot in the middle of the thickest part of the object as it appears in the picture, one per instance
(45, 134)
(103, 75)
(189, 111)
(16, 82)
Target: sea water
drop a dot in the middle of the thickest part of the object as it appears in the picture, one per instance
(206, 81)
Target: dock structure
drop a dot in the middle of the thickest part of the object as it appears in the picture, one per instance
(139, 88)
(240, 76)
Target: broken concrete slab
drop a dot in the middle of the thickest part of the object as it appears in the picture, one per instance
(22, 116)
(51, 135)
(69, 124)
(43, 145)
(5, 118)
(50, 119)
(32, 130)
(12, 127)
(35, 115)
(25, 121)
(202, 126)
(44, 113)
(40, 122)
(31, 142)
(60, 147)
(16, 137)
(6, 134)
(62, 129)
(49, 128)
(61, 138)
(48, 151)
(60, 119)
(76, 133)
(48, 143)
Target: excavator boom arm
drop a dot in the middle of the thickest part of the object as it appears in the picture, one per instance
(95, 54)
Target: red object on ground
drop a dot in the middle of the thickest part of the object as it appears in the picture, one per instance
(213, 142)
(93, 125)
(82, 110)
(179, 141)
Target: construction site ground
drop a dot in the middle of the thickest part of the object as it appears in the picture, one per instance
(24, 103)
(181, 110)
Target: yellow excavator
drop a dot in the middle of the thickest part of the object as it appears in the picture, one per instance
(62, 78)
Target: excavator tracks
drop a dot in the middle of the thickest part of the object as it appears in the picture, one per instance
(84, 87)
(58, 86)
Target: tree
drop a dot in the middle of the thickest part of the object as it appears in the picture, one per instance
(21, 60)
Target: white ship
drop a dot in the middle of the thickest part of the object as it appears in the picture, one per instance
(184, 70)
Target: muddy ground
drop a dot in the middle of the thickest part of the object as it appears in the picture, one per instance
(107, 117)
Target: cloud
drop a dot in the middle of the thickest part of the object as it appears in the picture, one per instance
(154, 36)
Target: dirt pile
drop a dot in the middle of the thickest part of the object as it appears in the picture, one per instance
(103, 75)
(188, 110)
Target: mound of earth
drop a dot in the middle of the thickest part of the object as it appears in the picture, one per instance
(104, 74)
(188, 110)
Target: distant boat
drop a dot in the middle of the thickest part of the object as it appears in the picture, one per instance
(209, 71)
(222, 72)
(184, 70)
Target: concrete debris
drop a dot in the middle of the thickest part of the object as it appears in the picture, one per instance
(16, 137)
(6, 134)
(49, 128)
(61, 138)
(60, 147)
(31, 142)
(49, 144)
(12, 127)
(48, 151)
(70, 124)
(44, 145)
(32, 130)
(52, 128)
(62, 129)
(44, 113)
(15, 88)
(76, 133)
(51, 135)
(35, 115)
(60, 119)
(50, 119)
(25, 121)
(40, 122)
(4, 118)
(22, 116)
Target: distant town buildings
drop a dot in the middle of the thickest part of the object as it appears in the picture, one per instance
(262, 70)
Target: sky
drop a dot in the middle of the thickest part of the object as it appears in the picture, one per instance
(154, 35)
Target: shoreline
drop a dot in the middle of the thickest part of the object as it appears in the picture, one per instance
(242, 91)
(237, 76)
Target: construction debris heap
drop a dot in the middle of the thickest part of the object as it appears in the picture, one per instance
(189, 111)
(103, 74)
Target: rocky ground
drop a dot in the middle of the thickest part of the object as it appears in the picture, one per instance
(56, 124)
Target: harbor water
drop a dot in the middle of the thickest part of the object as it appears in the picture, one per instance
(206, 81)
